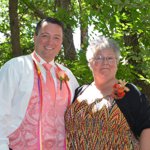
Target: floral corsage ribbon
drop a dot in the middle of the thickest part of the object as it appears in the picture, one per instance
(63, 77)
(120, 89)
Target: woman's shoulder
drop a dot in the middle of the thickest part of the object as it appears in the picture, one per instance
(80, 90)
(133, 96)
(133, 89)
(136, 107)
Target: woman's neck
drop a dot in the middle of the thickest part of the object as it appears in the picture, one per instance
(105, 87)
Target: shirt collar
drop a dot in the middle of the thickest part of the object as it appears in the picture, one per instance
(42, 61)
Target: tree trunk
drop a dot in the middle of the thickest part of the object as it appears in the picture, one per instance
(68, 43)
(84, 36)
(14, 27)
(83, 28)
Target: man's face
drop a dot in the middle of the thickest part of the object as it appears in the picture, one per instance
(48, 41)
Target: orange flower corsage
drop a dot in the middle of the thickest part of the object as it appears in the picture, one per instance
(120, 89)
(62, 77)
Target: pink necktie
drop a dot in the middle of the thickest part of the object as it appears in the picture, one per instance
(49, 81)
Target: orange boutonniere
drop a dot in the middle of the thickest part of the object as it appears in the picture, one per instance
(62, 77)
(120, 89)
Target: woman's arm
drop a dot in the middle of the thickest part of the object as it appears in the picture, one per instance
(145, 139)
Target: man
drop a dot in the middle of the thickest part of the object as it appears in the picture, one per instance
(33, 98)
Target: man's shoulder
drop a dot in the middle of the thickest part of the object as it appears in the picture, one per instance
(20, 59)
(18, 62)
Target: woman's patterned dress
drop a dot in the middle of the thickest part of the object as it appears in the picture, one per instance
(95, 124)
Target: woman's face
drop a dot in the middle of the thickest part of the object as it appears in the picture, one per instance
(104, 65)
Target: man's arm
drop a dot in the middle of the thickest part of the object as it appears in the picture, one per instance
(7, 82)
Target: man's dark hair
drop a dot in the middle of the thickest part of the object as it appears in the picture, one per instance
(48, 20)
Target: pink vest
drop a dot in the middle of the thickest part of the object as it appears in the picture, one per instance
(53, 128)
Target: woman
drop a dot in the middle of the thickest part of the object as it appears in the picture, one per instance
(107, 114)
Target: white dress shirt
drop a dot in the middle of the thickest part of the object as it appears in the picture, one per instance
(16, 83)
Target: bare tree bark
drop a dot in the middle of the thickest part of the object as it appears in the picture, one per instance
(83, 28)
(68, 43)
(84, 35)
(69, 48)
(14, 27)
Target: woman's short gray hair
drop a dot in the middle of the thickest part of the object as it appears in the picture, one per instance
(101, 43)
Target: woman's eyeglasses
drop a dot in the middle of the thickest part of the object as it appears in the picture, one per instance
(100, 59)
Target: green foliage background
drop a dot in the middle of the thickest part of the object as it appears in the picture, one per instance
(113, 18)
